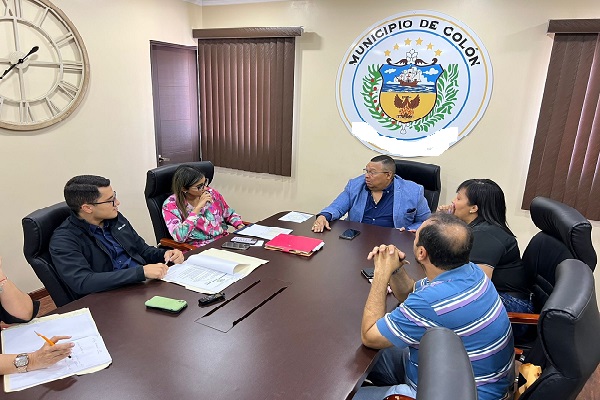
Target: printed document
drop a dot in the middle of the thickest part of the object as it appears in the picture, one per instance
(295, 216)
(212, 270)
(89, 353)
(261, 231)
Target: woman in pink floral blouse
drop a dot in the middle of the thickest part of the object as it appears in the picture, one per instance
(195, 213)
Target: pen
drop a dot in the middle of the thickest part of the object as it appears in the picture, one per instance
(50, 342)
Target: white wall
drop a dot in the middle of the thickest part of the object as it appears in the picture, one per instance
(112, 132)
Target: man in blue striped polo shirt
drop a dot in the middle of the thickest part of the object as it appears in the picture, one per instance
(455, 294)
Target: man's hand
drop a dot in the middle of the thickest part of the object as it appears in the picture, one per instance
(320, 224)
(388, 258)
(155, 271)
(174, 256)
(49, 355)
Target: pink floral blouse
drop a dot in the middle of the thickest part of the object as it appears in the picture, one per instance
(200, 229)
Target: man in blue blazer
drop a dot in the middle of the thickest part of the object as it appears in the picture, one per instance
(379, 197)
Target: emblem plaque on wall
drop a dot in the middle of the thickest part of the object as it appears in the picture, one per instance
(414, 83)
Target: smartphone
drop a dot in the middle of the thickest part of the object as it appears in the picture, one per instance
(368, 272)
(235, 246)
(349, 234)
(166, 304)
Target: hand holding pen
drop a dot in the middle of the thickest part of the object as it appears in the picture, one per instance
(50, 353)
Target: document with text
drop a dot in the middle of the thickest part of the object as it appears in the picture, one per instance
(261, 231)
(212, 270)
(89, 353)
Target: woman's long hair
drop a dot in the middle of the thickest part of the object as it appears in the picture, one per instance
(489, 199)
(184, 177)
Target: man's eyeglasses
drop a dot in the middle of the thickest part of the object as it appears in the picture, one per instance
(114, 199)
(371, 173)
(200, 186)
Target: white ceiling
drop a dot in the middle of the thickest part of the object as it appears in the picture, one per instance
(227, 2)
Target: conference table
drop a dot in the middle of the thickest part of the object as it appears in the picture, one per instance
(291, 329)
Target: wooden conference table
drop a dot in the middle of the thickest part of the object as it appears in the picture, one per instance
(292, 333)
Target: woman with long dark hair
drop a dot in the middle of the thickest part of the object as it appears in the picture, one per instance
(481, 204)
(195, 213)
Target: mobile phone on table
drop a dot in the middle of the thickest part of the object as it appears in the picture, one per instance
(349, 234)
(368, 272)
(166, 304)
(235, 246)
(245, 240)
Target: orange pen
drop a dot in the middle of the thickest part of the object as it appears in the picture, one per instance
(50, 342)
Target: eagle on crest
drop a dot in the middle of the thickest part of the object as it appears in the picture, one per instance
(406, 105)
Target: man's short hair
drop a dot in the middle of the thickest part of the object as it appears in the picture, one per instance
(388, 163)
(83, 189)
(447, 239)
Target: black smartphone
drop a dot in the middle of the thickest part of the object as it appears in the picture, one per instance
(235, 246)
(349, 234)
(368, 272)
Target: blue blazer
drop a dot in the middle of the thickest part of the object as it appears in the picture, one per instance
(407, 196)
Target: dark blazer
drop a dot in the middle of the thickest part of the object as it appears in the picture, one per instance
(85, 265)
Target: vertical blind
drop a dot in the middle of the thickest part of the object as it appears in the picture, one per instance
(246, 102)
(564, 161)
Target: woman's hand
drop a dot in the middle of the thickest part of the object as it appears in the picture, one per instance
(205, 198)
(49, 355)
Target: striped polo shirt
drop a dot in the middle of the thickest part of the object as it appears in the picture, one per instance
(464, 300)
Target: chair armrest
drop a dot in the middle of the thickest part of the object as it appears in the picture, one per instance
(523, 318)
(165, 242)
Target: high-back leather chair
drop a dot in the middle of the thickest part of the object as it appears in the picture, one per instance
(38, 228)
(565, 233)
(158, 188)
(427, 175)
(445, 371)
(568, 329)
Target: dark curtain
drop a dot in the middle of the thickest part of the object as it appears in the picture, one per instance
(564, 161)
(246, 102)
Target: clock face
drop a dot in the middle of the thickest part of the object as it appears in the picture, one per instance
(44, 87)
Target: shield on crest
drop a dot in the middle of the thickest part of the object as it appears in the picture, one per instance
(408, 91)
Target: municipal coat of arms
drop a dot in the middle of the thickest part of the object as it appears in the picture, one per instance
(412, 82)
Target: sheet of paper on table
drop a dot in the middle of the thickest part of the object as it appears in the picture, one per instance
(212, 270)
(295, 216)
(261, 231)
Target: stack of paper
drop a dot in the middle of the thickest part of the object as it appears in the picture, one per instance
(212, 270)
(302, 245)
(88, 355)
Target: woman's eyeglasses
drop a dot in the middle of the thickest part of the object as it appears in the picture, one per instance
(200, 187)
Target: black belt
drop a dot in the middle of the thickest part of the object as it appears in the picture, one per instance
(519, 295)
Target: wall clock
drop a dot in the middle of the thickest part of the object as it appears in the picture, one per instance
(43, 63)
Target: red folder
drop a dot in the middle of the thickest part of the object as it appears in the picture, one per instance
(302, 245)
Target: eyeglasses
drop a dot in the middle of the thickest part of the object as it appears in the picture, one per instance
(114, 199)
(371, 173)
(200, 186)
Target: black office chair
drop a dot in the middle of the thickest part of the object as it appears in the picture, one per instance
(427, 175)
(565, 233)
(158, 188)
(38, 228)
(445, 371)
(568, 329)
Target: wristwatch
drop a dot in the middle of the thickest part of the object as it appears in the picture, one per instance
(21, 362)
